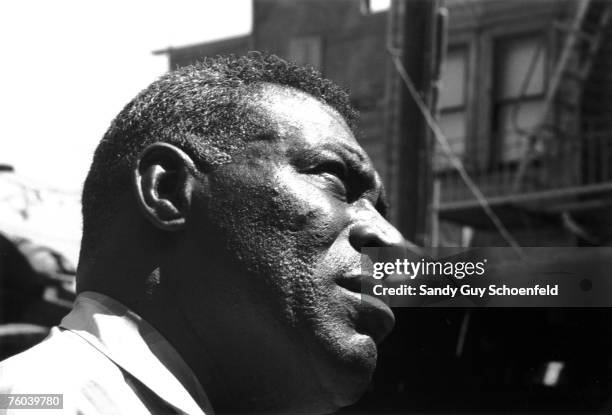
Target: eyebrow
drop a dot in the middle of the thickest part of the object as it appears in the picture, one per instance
(360, 156)
(266, 134)
(352, 155)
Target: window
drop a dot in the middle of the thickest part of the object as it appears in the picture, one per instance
(519, 92)
(306, 50)
(452, 104)
(374, 6)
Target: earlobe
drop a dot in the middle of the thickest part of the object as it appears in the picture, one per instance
(162, 182)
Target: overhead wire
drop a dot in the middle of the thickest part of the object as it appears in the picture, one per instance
(448, 152)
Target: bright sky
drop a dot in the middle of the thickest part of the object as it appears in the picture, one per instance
(70, 66)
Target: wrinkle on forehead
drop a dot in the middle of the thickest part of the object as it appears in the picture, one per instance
(294, 116)
(290, 111)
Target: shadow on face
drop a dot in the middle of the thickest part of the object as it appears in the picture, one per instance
(270, 257)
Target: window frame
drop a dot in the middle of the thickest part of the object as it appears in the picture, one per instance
(491, 155)
(466, 41)
(314, 39)
(497, 102)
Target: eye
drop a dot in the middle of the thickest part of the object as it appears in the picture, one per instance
(334, 168)
(335, 173)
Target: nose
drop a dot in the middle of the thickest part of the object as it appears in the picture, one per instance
(372, 230)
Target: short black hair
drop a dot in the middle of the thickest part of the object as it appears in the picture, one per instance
(199, 108)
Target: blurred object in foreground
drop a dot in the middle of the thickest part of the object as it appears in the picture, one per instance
(37, 290)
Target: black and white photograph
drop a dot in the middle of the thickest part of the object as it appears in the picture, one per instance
(356, 207)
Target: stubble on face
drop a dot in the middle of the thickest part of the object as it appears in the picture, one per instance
(282, 236)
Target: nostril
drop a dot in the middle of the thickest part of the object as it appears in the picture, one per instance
(364, 236)
(374, 235)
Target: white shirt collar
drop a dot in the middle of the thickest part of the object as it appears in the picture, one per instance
(135, 346)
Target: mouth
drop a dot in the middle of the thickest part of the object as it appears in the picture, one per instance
(375, 318)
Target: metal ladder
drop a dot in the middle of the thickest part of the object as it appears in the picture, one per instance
(580, 32)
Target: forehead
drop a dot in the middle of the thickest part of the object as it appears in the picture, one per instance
(305, 120)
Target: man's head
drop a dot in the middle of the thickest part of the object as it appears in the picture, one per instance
(238, 188)
(204, 109)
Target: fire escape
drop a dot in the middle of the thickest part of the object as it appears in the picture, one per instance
(565, 167)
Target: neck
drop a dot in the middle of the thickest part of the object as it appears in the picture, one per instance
(238, 362)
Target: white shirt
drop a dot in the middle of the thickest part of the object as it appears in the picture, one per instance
(105, 359)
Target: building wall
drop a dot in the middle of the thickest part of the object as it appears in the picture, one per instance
(479, 26)
(188, 55)
(596, 108)
(564, 154)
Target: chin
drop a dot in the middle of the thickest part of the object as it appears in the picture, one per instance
(347, 371)
(340, 398)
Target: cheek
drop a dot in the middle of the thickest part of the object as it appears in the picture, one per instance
(317, 216)
(282, 229)
(315, 246)
(273, 206)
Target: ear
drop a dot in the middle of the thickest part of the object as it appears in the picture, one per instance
(163, 181)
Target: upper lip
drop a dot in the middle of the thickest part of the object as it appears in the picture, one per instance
(375, 317)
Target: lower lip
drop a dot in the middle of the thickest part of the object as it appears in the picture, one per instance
(384, 315)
